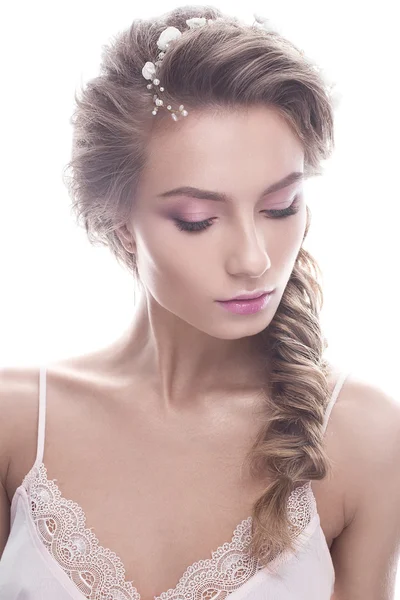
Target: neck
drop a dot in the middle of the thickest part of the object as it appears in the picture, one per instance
(181, 363)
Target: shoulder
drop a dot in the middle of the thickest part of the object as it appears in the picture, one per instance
(19, 401)
(370, 420)
(364, 431)
(366, 427)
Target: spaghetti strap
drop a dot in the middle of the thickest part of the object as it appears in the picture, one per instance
(42, 416)
(338, 386)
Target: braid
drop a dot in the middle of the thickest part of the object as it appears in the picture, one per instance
(290, 446)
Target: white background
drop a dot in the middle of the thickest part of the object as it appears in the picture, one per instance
(61, 297)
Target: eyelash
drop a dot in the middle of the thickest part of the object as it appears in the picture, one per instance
(201, 225)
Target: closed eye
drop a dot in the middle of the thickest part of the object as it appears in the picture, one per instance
(201, 225)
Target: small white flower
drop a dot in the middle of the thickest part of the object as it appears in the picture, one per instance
(169, 34)
(265, 23)
(196, 22)
(149, 70)
(260, 19)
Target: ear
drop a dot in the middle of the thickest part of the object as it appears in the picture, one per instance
(126, 238)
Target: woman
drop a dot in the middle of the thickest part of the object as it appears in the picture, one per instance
(192, 458)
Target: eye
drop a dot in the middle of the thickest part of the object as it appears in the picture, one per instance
(285, 212)
(201, 225)
(193, 225)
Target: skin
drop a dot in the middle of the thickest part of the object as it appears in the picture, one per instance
(182, 338)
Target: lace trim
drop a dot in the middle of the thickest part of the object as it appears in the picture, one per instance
(99, 573)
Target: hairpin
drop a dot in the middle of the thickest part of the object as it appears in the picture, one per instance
(169, 34)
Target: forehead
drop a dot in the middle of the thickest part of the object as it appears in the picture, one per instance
(205, 146)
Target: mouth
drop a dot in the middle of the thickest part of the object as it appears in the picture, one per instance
(249, 296)
(247, 304)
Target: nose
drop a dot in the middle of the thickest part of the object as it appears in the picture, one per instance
(249, 257)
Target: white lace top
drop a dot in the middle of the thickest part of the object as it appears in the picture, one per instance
(52, 555)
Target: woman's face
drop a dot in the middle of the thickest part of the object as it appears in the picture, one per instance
(193, 250)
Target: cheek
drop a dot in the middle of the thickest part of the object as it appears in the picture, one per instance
(294, 238)
(167, 262)
(300, 227)
(283, 243)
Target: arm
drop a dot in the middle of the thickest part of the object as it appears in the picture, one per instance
(4, 518)
(366, 553)
(4, 462)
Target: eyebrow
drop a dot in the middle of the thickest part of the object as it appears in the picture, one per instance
(220, 197)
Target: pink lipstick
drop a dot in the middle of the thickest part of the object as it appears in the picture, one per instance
(249, 306)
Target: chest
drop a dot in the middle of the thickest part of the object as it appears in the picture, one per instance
(160, 493)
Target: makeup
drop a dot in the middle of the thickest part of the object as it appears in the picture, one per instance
(246, 307)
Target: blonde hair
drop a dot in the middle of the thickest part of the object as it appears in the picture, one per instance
(226, 65)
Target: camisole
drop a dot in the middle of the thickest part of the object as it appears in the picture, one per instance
(51, 554)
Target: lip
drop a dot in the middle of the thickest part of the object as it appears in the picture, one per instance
(249, 296)
(248, 306)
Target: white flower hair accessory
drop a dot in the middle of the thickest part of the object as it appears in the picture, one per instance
(149, 70)
(264, 23)
(169, 35)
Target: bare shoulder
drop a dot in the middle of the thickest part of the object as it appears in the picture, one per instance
(18, 414)
(365, 435)
(380, 439)
(364, 432)
(362, 417)
(365, 428)
(369, 418)
(19, 387)
(370, 436)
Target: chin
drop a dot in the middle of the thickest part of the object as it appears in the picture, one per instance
(242, 330)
